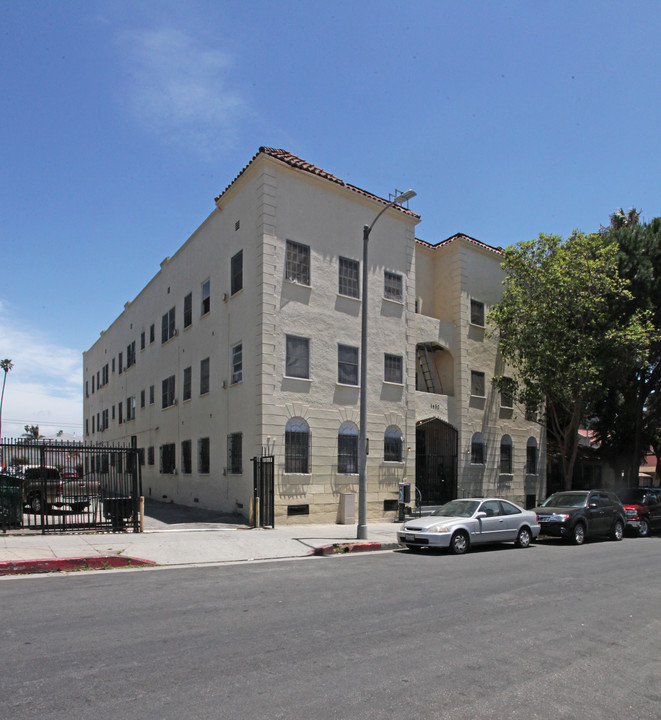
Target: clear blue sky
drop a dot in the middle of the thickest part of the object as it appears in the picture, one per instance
(121, 121)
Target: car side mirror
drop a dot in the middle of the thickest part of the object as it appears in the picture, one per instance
(593, 505)
(480, 515)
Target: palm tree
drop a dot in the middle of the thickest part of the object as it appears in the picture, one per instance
(6, 365)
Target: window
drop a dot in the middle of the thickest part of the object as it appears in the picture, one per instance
(104, 416)
(120, 365)
(130, 354)
(130, 408)
(506, 455)
(237, 364)
(347, 448)
(507, 393)
(392, 369)
(98, 379)
(531, 456)
(297, 266)
(205, 305)
(204, 376)
(234, 454)
(186, 463)
(347, 365)
(168, 329)
(120, 410)
(188, 310)
(348, 278)
(477, 384)
(392, 444)
(150, 455)
(168, 392)
(152, 333)
(477, 313)
(186, 390)
(477, 449)
(298, 357)
(142, 398)
(151, 394)
(236, 281)
(392, 286)
(142, 340)
(113, 412)
(203, 457)
(167, 459)
(104, 374)
(297, 446)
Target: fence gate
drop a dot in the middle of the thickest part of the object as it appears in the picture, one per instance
(436, 447)
(69, 487)
(263, 502)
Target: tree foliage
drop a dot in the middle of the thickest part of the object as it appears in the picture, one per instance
(563, 328)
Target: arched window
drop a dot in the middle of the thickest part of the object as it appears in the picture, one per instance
(478, 449)
(531, 456)
(347, 448)
(297, 446)
(392, 444)
(506, 455)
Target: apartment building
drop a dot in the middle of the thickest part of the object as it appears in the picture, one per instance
(246, 342)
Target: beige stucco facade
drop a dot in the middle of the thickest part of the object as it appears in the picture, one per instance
(242, 336)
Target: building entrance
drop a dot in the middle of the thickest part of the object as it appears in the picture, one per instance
(436, 445)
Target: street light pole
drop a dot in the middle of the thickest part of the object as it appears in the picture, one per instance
(362, 435)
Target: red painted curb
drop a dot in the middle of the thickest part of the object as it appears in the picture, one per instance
(96, 562)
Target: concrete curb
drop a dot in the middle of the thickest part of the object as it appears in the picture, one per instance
(352, 547)
(96, 562)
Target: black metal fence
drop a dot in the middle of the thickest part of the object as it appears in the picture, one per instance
(69, 487)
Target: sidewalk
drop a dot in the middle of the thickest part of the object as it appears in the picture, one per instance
(183, 536)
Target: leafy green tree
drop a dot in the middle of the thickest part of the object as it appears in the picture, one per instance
(31, 432)
(562, 329)
(627, 421)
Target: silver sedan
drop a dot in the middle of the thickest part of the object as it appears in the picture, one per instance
(471, 521)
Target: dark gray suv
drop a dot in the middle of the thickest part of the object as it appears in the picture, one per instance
(575, 515)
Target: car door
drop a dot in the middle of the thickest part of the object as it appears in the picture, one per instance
(492, 527)
(598, 522)
(653, 501)
(512, 520)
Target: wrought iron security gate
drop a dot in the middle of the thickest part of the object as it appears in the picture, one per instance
(69, 487)
(436, 447)
(263, 504)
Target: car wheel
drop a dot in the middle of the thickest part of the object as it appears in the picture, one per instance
(578, 535)
(643, 528)
(78, 507)
(617, 533)
(459, 543)
(524, 538)
(36, 504)
(413, 548)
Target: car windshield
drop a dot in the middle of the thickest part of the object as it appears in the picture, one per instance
(565, 500)
(458, 508)
(634, 496)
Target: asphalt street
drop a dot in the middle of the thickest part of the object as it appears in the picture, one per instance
(549, 632)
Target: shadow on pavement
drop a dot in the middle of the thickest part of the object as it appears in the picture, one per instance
(158, 514)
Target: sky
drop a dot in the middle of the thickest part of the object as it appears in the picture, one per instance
(122, 121)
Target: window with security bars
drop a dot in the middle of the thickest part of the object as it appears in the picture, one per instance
(130, 354)
(203, 456)
(348, 277)
(167, 394)
(506, 455)
(347, 365)
(477, 384)
(186, 390)
(297, 446)
(204, 376)
(392, 444)
(186, 462)
(347, 448)
(150, 455)
(297, 264)
(237, 363)
(167, 459)
(130, 408)
(392, 286)
(477, 449)
(507, 393)
(205, 302)
(393, 369)
(234, 454)
(531, 459)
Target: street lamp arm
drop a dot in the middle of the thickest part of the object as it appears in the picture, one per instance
(399, 199)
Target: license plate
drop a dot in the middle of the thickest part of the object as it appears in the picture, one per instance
(409, 538)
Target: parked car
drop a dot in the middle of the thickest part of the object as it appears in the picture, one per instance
(45, 489)
(642, 507)
(460, 524)
(575, 515)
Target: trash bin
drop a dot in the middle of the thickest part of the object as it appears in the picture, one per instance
(11, 501)
(118, 509)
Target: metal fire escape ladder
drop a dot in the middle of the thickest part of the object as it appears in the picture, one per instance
(428, 369)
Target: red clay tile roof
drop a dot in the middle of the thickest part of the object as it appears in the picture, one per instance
(296, 162)
(460, 236)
